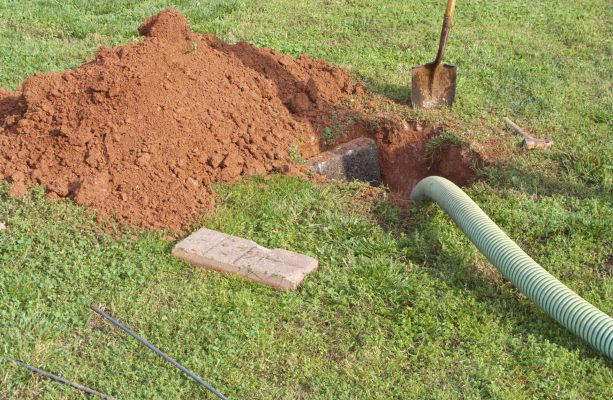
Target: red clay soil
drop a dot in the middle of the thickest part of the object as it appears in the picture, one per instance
(142, 131)
(454, 161)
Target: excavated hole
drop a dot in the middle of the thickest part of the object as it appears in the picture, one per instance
(411, 151)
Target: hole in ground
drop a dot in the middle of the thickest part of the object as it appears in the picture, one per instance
(407, 152)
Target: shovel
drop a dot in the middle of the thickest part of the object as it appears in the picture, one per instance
(433, 84)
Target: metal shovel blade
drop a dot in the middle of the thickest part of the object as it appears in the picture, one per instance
(433, 85)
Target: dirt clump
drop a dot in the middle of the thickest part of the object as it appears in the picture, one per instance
(18, 189)
(142, 131)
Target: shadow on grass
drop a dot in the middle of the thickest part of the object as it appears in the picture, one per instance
(399, 94)
(507, 175)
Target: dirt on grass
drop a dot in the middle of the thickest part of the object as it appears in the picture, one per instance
(142, 131)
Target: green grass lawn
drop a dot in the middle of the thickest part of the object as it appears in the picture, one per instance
(401, 307)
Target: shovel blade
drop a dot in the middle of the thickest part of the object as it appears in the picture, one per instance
(433, 85)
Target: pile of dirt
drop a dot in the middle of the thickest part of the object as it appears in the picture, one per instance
(142, 130)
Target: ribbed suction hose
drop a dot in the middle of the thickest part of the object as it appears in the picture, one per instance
(557, 300)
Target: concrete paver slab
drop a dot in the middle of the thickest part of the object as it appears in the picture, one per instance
(278, 268)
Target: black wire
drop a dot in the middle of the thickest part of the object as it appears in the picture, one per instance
(64, 381)
(158, 351)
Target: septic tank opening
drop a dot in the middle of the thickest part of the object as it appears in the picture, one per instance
(397, 153)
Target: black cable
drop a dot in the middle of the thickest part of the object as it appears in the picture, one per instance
(64, 381)
(158, 351)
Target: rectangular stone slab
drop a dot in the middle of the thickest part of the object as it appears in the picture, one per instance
(215, 250)
(354, 160)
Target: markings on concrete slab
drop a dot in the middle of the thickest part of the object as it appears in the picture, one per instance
(278, 268)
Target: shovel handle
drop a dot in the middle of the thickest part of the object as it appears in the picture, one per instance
(450, 8)
(445, 31)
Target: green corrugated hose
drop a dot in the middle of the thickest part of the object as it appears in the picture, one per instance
(557, 300)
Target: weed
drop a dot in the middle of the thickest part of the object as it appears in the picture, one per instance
(330, 135)
(438, 140)
(294, 154)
